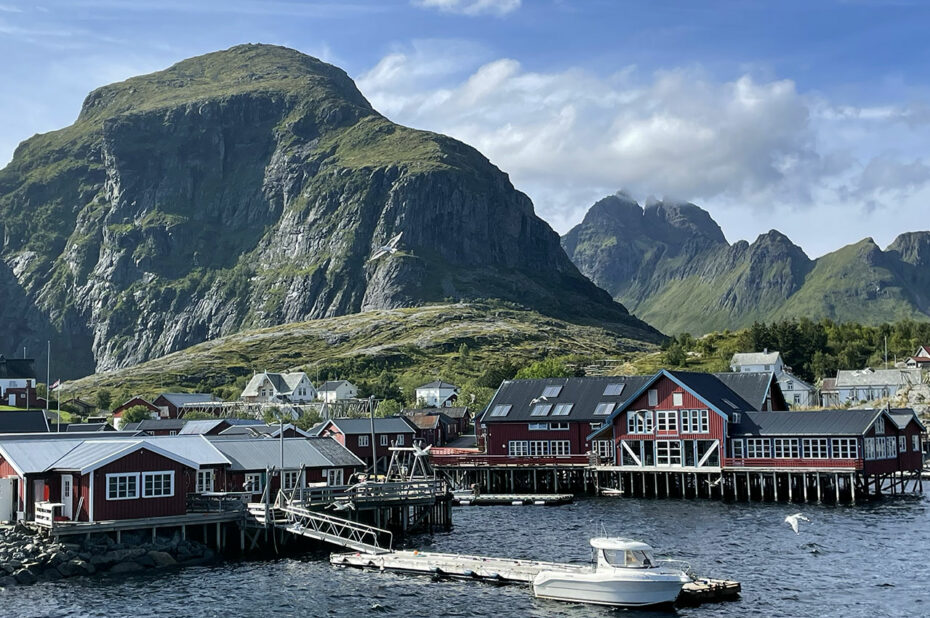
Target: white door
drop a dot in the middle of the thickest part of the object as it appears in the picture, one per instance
(67, 498)
(334, 477)
(7, 495)
(12, 401)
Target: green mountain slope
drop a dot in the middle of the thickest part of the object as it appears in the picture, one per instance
(247, 188)
(670, 264)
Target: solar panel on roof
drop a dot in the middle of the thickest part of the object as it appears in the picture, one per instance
(552, 391)
(604, 408)
(541, 409)
(501, 410)
(562, 409)
(613, 390)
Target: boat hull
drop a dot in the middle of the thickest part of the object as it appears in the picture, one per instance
(655, 589)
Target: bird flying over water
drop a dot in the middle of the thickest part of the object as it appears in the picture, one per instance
(420, 452)
(792, 520)
(389, 248)
(343, 506)
(538, 399)
(715, 483)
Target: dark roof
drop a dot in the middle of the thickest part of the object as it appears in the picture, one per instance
(258, 454)
(455, 411)
(584, 393)
(752, 386)
(813, 423)
(355, 426)
(156, 424)
(17, 368)
(424, 421)
(89, 427)
(332, 385)
(437, 384)
(449, 413)
(903, 416)
(25, 421)
(182, 399)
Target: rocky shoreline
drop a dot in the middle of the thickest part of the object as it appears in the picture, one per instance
(28, 557)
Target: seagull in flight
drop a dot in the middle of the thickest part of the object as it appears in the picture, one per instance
(387, 249)
(420, 452)
(536, 400)
(792, 520)
(715, 483)
(343, 506)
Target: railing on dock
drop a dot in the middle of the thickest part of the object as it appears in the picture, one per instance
(370, 493)
(45, 513)
(337, 531)
(217, 503)
(477, 459)
(791, 464)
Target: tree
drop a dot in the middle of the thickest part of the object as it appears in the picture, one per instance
(272, 415)
(104, 399)
(308, 419)
(136, 414)
(388, 407)
(675, 355)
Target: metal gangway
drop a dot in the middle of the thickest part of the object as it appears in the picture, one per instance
(335, 530)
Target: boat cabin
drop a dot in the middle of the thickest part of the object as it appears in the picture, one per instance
(622, 553)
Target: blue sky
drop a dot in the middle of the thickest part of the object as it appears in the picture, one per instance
(809, 117)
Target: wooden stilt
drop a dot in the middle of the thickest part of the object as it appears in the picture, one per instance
(836, 483)
(775, 485)
(748, 489)
(852, 488)
(790, 489)
(819, 495)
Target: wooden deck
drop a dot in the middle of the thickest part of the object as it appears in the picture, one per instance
(65, 528)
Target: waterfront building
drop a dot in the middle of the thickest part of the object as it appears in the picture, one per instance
(356, 435)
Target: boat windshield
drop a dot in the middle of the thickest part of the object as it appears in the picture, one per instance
(636, 559)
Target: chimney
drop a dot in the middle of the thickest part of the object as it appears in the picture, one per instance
(765, 350)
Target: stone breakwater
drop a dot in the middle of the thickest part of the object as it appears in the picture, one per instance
(27, 557)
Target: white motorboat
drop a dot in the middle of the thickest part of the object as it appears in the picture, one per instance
(625, 573)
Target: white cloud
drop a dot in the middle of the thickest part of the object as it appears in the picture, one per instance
(471, 7)
(748, 145)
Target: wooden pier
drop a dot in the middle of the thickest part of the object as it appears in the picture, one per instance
(508, 571)
(512, 499)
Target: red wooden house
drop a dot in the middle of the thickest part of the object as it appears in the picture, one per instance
(356, 433)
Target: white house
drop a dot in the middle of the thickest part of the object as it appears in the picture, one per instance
(797, 392)
(279, 388)
(853, 386)
(751, 362)
(437, 394)
(336, 390)
(921, 358)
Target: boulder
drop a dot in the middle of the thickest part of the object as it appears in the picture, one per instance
(8, 581)
(162, 559)
(129, 566)
(25, 577)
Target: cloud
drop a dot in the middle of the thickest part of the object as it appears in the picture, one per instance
(471, 7)
(749, 145)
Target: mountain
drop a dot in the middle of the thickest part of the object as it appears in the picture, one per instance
(247, 188)
(671, 265)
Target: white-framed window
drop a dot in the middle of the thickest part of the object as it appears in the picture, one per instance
(890, 450)
(291, 479)
(538, 426)
(384, 439)
(539, 448)
(870, 448)
(562, 409)
(613, 390)
(603, 448)
(501, 410)
(254, 482)
(652, 396)
(695, 421)
(678, 399)
(558, 426)
(604, 408)
(880, 425)
(668, 452)
(737, 448)
(204, 480)
(560, 447)
(639, 421)
(518, 448)
(541, 409)
(400, 439)
(879, 448)
(785, 448)
(845, 448)
(902, 444)
(915, 442)
(334, 476)
(123, 486)
(158, 484)
(758, 448)
(797, 398)
(363, 440)
(816, 448)
(667, 420)
(552, 391)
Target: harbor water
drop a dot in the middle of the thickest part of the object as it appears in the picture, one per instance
(866, 560)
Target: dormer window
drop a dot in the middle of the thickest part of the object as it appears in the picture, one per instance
(880, 425)
(735, 418)
(552, 391)
(613, 390)
(541, 409)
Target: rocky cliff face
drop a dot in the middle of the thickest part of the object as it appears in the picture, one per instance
(672, 266)
(247, 188)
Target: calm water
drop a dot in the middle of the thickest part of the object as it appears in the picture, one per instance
(860, 561)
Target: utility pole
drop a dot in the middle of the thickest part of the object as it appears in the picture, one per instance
(48, 371)
(886, 351)
(374, 451)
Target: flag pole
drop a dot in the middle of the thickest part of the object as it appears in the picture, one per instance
(48, 372)
(58, 426)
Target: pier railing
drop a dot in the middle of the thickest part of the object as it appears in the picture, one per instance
(369, 493)
(45, 513)
(771, 462)
(200, 503)
(472, 459)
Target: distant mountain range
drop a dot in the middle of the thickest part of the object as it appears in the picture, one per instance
(670, 264)
(247, 188)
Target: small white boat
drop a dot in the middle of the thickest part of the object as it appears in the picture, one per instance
(625, 573)
(610, 491)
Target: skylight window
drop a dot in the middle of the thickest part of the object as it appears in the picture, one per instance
(552, 391)
(613, 390)
(731, 404)
(541, 409)
(562, 409)
(604, 408)
(501, 410)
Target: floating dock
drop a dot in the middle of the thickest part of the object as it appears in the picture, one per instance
(511, 499)
(508, 571)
